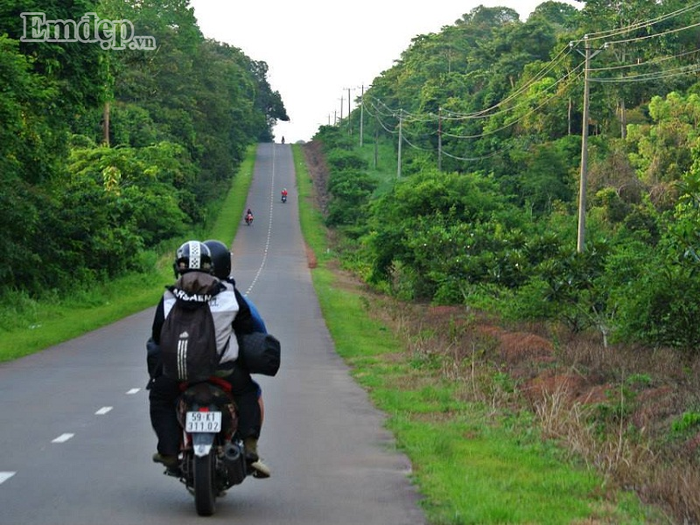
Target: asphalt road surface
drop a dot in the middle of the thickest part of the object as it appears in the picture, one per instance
(76, 442)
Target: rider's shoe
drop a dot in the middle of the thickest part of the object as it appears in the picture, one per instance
(260, 470)
(257, 468)
(171, 463)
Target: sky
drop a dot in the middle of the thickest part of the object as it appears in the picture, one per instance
(318, 49)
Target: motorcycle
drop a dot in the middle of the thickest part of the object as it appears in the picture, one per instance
(284, 198)
(212, 453)
(249, 219)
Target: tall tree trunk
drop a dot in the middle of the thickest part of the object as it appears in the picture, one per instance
(105, 124)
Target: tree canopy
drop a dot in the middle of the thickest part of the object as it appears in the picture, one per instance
(107, 150)
(489, 116)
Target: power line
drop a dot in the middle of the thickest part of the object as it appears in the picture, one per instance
(640, 25)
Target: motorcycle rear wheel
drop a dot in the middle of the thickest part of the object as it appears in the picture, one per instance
(204, 497)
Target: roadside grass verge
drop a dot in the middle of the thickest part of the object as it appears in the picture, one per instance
(474, 460)
(230, 215)
(28, 325)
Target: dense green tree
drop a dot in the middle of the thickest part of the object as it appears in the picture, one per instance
(117, 148)
(498, 103)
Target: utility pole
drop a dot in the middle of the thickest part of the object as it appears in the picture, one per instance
(341, 108)
(580, 244)
(581, 240)
(398, 168)
(362, 112)
(349, 122)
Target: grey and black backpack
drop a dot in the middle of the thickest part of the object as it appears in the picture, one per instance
(188, 338)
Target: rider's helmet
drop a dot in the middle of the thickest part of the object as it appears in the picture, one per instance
(193, 256)
(220, 257)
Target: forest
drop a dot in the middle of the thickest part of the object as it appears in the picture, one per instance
(108, 149)
(484, 201)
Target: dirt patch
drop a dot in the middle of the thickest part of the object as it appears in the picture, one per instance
(318, 172)
(310, 257)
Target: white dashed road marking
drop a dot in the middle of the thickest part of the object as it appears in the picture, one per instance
(4, 476)
(269, 227)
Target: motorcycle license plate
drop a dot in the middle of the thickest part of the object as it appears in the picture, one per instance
(203, 422)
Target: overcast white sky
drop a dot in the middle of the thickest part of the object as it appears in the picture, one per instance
(317, 49)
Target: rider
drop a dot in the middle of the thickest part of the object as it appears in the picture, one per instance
(194, 256)
(284, 193)
(248, 215)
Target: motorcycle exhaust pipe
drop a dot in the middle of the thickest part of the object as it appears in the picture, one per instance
(235, 463)
(232, 453)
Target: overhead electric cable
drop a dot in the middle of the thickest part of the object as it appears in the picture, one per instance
(656, 35)
(653, 61)
(505, 126)
(640, 25)
(655, 75)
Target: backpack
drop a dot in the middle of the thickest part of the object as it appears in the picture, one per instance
(188, 338)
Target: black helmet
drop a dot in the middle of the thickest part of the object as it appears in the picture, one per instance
(193, 256)
(220, 257)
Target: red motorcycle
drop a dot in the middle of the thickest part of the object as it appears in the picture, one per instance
(249, 219)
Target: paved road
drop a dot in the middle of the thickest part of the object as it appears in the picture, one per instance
(75, 440)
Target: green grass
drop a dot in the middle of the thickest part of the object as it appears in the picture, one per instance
(473, 473)
(229, 218)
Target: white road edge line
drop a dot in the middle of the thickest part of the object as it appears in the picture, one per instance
(102, 411)
(4, 476)
(62, 438)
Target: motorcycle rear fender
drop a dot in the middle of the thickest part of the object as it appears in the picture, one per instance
(202, 443)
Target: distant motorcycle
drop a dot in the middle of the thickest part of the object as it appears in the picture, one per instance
(284, 198)
(249, 219)
(212, 453)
